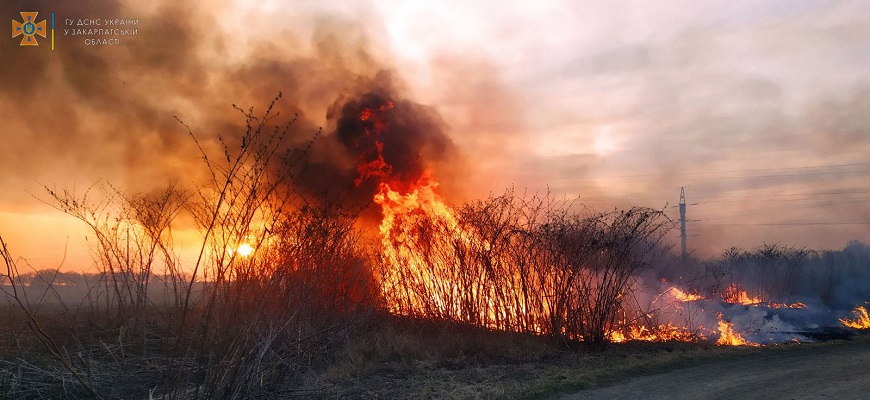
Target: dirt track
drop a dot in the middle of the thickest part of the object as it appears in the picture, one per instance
(835, 371)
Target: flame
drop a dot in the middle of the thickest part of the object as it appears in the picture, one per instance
(861, 321)
(423, 238)
(797, 305)
(413, 259)
(661, 333)
(372, 163)
(410, 253)
(682, 296)
(402, 246)
(734, 295)
(727, 335)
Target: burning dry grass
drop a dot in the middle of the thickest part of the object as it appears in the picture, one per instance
(521, 264)
(310, 303)
(388, 357)
(661, 333)
(734, 295)
(419, 359)
(682, 296)
(383, 357)
(728, 337)
(861, 319)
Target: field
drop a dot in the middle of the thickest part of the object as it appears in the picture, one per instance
(399, 358)
(390, 357)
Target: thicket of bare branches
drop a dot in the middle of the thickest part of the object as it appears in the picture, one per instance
(524, 264)
(780, 273)
(225, 324)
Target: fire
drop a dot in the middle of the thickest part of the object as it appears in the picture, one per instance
(797, 305)
(425, 245)
(861, 321)
(410, 251)
(683, 296)
(422, 240)
(373, 165)
(661, 333)
(727, 335)
(734, 295)
(403, 244)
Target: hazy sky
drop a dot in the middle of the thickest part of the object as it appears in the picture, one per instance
(760, 109)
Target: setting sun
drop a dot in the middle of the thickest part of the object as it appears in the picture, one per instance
(245, 250)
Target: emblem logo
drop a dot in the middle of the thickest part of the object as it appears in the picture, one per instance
(29, 28)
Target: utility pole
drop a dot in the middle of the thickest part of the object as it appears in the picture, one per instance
(683, 223)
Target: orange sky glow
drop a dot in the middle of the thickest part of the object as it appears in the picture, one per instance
(758, 109)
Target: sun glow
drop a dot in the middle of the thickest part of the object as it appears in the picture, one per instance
(245, 250)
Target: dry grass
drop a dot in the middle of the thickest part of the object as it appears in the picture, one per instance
(422, 360)
(457, 363)
(384, 357)
(304, 315)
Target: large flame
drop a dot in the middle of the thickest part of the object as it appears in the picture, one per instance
(861, 320)
(404, 245)
(423, 239)
(410, 252)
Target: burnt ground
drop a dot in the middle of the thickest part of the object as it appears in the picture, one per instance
(826, 371)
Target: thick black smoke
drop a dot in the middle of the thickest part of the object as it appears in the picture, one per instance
(410, 140)
(83, 113)
(409, 137)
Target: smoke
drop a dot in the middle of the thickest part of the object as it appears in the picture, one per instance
(409, 137)
(523, 111)
(85, 113)
(791, 293)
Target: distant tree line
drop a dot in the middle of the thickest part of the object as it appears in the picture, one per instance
(839, 279)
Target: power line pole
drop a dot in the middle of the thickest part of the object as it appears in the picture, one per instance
(683, 223)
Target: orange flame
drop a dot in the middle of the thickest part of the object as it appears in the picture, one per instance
(421, 236)
(682, 296)
(402, 213)
(411, 254)
(727, 335)
(861, 321)
(797, 305)
(661, 333)
(734, 295)
(372, 163)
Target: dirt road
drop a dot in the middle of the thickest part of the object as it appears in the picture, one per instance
(835, 371)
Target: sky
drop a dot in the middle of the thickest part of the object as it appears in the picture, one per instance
(758, 109)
